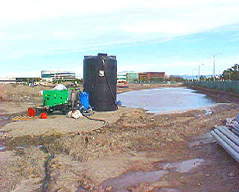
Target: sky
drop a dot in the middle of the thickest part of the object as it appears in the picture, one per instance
(170, 36)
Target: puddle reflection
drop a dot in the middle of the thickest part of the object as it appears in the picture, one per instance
(163, 100)
(183, 166)
(132, 179)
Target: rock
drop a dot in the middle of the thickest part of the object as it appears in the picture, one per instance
(169, 140)
(110, 188)
(231, 174)
(178, 139)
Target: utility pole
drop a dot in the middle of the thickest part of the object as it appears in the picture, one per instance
(199, 71)
(213, 58)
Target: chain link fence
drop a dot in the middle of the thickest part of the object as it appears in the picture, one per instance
(229, 86)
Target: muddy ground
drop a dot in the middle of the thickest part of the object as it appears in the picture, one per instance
(132, 151)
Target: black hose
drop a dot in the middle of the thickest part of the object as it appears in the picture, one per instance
(47, 173)
(87, 113)
(94, 119)
(112, 94)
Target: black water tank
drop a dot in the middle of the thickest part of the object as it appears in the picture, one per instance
(100, 79)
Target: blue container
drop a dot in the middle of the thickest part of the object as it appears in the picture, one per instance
(84, 100)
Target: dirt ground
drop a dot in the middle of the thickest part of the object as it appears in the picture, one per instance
(132, 151)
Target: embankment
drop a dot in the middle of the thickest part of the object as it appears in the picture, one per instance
(218, 96)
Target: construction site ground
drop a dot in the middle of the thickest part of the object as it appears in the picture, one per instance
(131, 150)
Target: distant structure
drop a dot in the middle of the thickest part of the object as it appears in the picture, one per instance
(7, 80)
(129, 76)
(24, 80)
(51, 76)
(121, 77)
(132, 76)
(152, 76)
(20, 80)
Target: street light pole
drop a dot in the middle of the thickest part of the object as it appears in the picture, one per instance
(213, 58)
(199, 71)
(192, 72)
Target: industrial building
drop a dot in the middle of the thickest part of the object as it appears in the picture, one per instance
(20, 80)
(152, 76)
(7, 80)
(121, 77)
(132, 76)
(129, 76)
(51, 76)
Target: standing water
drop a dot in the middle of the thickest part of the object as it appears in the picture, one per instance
(163, 100)
(3, 121)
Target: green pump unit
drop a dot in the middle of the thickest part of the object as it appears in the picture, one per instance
(53, 98)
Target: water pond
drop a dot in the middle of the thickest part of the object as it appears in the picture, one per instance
(164, 100)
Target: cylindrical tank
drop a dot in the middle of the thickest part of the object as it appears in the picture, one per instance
(100, 80)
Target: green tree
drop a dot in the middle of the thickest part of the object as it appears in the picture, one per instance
(202, 78)
(175, 78)
(235, 67)
(231, 73)
(226, 74)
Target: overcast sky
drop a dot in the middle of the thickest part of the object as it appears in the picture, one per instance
(171, 36)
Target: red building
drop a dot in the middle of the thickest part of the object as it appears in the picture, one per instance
(149, 76)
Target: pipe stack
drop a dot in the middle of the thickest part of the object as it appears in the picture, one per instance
(235, 128)
(228, 140)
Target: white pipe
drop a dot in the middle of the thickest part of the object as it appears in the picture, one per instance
(234, 127)
(227, 147)
(227, 140)
(236, 132)
(229, 134)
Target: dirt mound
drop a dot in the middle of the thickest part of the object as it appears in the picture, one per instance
(20, 93)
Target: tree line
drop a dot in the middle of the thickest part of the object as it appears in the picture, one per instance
(231, 73)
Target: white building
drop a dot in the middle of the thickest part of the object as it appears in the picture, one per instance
(50, 76)
(121, 77)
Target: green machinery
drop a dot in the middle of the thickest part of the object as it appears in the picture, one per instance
(64, 101)
(52, 98)
(58, 100)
